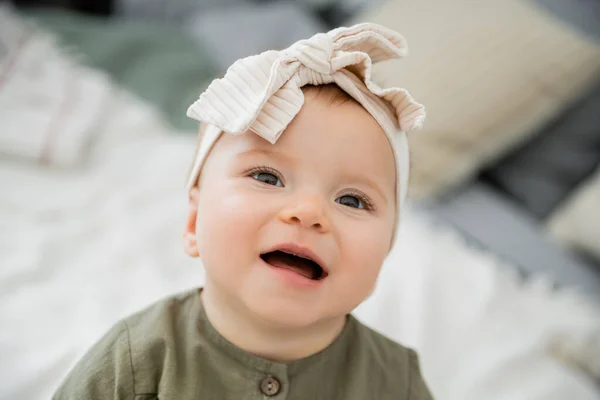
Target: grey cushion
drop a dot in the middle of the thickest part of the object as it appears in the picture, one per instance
(493, 222)
(236, 32)
(583, 15)
(172, 11)
(546, 169)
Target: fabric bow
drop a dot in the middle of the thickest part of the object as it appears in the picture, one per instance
(262, 93)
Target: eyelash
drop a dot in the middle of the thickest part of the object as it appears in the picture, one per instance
(368, 204)
(264, 169)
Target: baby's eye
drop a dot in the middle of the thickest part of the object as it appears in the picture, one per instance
(350, 201)
(267, 178)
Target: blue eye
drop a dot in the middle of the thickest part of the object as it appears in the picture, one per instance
(350, 201)
(268, 178)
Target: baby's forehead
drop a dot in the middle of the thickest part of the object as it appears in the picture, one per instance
(341, 137)
(327, 120)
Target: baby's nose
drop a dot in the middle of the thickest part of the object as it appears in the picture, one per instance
(308, 212)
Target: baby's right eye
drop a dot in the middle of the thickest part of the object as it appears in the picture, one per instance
(267, 178)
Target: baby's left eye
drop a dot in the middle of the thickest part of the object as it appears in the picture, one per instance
(268, 178)
(350, 201)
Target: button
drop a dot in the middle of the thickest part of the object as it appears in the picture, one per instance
(270, 386)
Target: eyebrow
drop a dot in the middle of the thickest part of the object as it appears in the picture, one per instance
(265, 152)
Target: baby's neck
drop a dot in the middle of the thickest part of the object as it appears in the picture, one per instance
(264, 339)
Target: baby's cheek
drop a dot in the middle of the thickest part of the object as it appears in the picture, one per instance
(224, 237)
(228, 217)
(365, 250)
(238, 209)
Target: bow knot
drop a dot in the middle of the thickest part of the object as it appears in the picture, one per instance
(263, 92)
(314, 53)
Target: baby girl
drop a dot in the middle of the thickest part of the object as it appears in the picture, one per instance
(295, 196)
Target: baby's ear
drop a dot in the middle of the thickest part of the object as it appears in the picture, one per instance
(190, 244)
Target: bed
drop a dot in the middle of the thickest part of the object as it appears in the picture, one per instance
(91, 229)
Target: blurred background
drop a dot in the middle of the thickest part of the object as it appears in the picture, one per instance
(500, 281)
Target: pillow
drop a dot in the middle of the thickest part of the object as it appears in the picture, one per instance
(258, 27)
(490, 73)
(542, 173)
(491, 221)
(577, 223)
(583, 15)
(50, 106)
(161, 64)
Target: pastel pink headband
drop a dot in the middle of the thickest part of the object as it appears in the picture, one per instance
(262, 93)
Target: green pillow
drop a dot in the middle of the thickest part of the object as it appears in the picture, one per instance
(159, 63)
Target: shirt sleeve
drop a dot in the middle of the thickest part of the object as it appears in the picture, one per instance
(105, 372)
(418, 388)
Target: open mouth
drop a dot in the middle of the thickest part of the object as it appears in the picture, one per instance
(299, 264)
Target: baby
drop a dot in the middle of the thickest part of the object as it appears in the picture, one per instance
(294, 201)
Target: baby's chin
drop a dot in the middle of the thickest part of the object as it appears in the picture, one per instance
(280, 309)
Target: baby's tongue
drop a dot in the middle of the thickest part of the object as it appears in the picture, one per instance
(299, 265)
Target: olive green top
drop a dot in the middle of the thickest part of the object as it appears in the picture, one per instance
(171, 351)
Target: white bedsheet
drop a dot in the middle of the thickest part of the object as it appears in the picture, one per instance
(82, 247)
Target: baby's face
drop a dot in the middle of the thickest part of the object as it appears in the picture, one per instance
(325, 191)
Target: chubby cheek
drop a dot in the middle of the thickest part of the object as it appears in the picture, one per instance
(226, 228)
(363, 254)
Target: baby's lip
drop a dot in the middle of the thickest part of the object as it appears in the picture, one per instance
(301, 251)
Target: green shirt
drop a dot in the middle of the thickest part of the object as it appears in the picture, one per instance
(171, 351)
